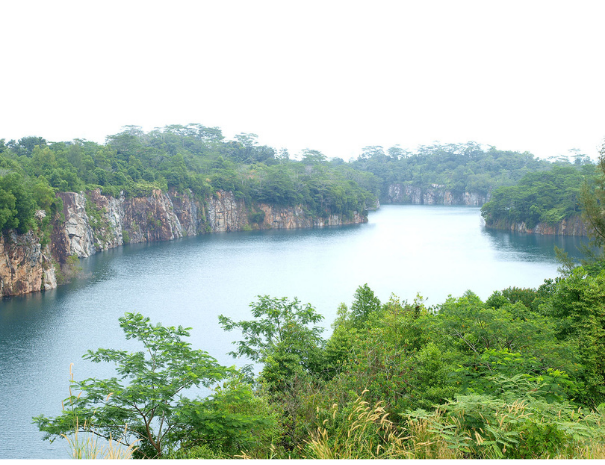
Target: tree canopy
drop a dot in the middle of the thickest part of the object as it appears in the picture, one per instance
(541, 197)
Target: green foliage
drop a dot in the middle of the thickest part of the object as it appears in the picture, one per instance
(283, 336)
(502, 373)
(8, 212)
(145, 395)
(519, 376)
(524, 367)
(364, 305)
(592, 198)
(391, 357)
(178, 158)
(233, 419)
(357, 431)
(458, 168)
(483, 427)
(197, 158)
(257, 217)
(541, 197)
(512, 295)
(202, 452)
(578, 306)
(17, 205)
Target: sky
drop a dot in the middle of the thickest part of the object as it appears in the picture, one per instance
(329, 75)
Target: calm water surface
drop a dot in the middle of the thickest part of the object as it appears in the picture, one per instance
(405, 250)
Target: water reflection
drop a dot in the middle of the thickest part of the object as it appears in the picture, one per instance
(533, 247)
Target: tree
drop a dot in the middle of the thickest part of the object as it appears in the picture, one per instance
(26, 145)
(364, 304)
(283, 155)
(248, 140)
(578, 303)
(397, 153)
(8, 212)
(141, 403)
(313, 157)
(18, 206)
(593, 204)
(283, 336)
(372, 151)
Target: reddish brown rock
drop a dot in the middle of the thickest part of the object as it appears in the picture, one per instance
(24, 266)
(92, 222)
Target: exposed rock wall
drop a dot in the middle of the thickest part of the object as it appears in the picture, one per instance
(93, 222)
(75, 235)
(573, 226)
(295, 218)
(225, 213)
(24, 266)
(436, 195)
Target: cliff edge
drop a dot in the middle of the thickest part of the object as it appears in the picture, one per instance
(92, 222)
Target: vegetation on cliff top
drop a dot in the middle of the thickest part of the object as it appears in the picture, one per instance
(191, 157)
(199, 158)
(593, 205)
(542, 197)
(458, 168)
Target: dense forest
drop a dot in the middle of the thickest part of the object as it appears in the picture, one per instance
(176, 158)
(540, 197)
(459, 168)
(200, 159)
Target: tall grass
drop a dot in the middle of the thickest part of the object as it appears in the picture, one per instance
(89, 447)
(471, 427)
(367, 433)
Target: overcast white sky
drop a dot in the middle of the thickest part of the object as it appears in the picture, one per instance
(334, 76)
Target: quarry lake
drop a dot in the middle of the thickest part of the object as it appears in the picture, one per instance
(431, 250)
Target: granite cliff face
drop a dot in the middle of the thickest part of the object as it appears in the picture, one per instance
(573, 226)
(435, 195)
(24, 266)
(225, 213)
(295, 217)
(94, 222)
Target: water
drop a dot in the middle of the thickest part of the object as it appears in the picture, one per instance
(434, 251)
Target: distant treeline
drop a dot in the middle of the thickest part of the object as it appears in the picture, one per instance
(199, 158)
(458, 168)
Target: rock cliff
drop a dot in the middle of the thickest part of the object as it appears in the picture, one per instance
(435, 195)
(225, 213)
(295, 217)
(24, 265)
(569, 227)
(95, 222)
(92, 222)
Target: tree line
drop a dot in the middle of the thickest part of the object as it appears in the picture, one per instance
(541, 197)
(200, 159)
(459, 168)
(179, 158)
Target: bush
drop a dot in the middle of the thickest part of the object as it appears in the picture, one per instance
(483, 427)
